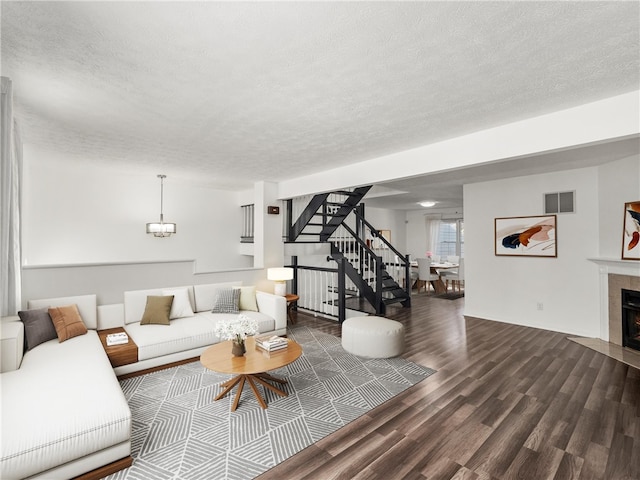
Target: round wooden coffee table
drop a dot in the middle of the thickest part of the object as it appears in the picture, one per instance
(249, 368)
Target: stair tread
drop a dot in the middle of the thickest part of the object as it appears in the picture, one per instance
(345, 192)
(293, 242)
(328, 215)
(389, 301)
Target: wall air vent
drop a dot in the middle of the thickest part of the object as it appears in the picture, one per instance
(561, 202)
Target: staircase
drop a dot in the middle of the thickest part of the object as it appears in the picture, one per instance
(325, 213)
(373, 268)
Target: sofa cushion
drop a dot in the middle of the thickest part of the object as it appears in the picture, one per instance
(87, 306)
(205, 295)
(63, 404)
(157, 310)
(265, 322)
(67, 322)
(227, 300)
(181, 306)
(186, 333)
(248, 298)
(38, 327)
(180, 335)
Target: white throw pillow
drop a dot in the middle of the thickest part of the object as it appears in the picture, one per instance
(248, 298)
(181, 306)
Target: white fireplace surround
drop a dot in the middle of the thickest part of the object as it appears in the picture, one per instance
(609, 266)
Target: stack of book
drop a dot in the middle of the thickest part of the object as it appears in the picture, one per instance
(117, 339)
(271, 342)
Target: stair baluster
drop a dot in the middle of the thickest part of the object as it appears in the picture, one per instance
(373, 273)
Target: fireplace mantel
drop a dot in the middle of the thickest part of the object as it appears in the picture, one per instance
(617, 266)
(611, 266)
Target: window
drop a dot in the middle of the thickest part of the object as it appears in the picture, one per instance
(451, 238)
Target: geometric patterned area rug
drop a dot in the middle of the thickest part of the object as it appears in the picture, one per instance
(179, 432)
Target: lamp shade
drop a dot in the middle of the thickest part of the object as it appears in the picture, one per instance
(280, 274)
(161, 229)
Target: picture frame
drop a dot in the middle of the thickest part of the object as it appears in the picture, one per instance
(377, 243)
(631, 231)
(529, 236)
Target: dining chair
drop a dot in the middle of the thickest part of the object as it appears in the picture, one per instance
(455, 277)
(446, 272)
(425, 277)
(435, 258)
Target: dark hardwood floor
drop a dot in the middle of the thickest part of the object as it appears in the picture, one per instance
(507, 402)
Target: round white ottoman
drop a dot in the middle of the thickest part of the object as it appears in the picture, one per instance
(373, 337)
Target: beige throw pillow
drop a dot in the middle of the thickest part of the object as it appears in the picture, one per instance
(248, 299)
(157, 310)
(67, 322)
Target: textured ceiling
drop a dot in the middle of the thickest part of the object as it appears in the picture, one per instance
(234, 92)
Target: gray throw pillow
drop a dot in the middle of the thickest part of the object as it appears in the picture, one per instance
(38, 327)
(227, 300)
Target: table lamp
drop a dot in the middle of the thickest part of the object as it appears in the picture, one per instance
(280, 275)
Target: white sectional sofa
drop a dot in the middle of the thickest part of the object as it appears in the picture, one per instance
(63, 412)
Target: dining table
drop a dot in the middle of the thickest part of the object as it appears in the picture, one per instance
(435, 267)
(438, 285)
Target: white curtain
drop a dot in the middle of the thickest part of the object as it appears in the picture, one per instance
(10, 174)
(432, 222)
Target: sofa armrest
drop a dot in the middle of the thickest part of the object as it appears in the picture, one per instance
(11, 343)
(273, 305)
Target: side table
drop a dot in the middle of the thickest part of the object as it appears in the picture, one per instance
(291, 299)
(122, 354)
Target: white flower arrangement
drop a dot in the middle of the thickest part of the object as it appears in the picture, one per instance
(236, 330)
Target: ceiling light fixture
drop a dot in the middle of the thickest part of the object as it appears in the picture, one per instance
(427, 204)
(161, 229)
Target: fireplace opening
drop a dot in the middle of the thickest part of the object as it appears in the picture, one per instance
(631, 319)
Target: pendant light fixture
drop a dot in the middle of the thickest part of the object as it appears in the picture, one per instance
(161, 229)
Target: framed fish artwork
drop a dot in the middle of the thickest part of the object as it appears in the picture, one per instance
(533, 236)
(631, 232)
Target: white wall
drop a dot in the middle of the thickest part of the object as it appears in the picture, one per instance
(508, 289)
(75, 214)
(416, 234)
(110, 281)
(619, 183)
(83, 231)
(269, 245)
(387, 219)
